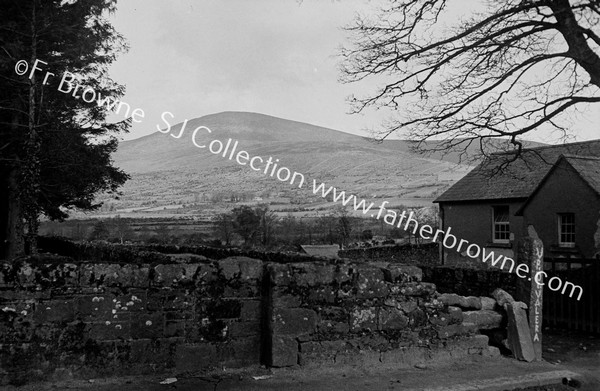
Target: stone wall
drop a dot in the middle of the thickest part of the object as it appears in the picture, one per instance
(109, 318)
(133, 253)
(351, 313)
(422, 254)
(111, 310)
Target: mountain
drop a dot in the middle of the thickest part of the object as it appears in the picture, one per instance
(169, 171)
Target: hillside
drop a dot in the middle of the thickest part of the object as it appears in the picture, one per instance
(168, 172)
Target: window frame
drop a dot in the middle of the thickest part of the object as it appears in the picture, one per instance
(506, 223)
(561, 233)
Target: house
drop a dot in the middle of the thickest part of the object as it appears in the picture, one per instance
(550, 188)
(564, 208)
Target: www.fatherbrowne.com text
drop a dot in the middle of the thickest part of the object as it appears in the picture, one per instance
(271, 167)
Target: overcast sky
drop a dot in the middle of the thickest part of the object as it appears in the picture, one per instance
(276, 57)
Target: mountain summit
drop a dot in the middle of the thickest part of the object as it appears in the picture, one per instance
(352, 163)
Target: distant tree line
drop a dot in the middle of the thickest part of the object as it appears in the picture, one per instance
(256, 227)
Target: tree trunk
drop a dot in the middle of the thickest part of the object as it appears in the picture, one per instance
(579, 48)
(14, 234)
(32, 165)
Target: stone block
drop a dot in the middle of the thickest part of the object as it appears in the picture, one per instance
(99, 307)
(205, 273)
(324, 294)
(280, 274)
(310, 347)
(251, 310)
(140, 350)
(502, 297)
(331, 326)
(312, 274)
(408, 305)
(106, 274)
(371, 283)
(250, 269)
(26, 275)
(519, 336)
(63, 274)
(284, 351)
(470, 302)
(140, 276)
(294, 321)
(195, 357)
(222, 309)
(450, 331)
(484, 319)
(174, 328)
(343, 272)
(480, 340)
(109, 330)
(417, 318)
(455, 314)
(441, 319)
(418, 289)
(22, 295)
(134, 301)
(392, 319)
(364, 319)
(243, 268)
(170, 274)
(487, 303)
(403, 273)
(244, 329)
(147, 325)
(240, 352)
(244, 290)
(470, 328)
(339, 314)
(283, 300)
(61, 311)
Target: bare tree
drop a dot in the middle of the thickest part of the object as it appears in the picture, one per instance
(121, 229)
(268, 222)
(344, 224)
(225, 227)
(512, 68)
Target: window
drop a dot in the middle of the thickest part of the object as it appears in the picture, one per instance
(566, 230)
(501, 224)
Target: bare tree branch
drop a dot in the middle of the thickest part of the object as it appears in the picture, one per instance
(514, 68)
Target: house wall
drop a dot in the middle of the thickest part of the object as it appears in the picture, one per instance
(472, 221)
(564, 192)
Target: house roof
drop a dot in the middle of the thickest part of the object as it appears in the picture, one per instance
(326, 250)
(587, 167)
(494, 179)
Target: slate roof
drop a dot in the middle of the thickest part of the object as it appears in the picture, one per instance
(587, 167)
(490, 181)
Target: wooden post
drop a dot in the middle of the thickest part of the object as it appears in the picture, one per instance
(531, 252)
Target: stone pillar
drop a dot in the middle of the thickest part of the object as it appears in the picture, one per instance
(531, 252)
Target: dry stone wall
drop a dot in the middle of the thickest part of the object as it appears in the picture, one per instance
(109, 318)
(349, 313)
(411, 254)
(126, 312)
